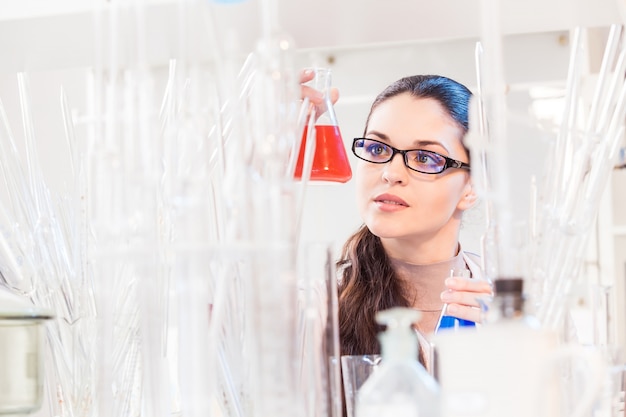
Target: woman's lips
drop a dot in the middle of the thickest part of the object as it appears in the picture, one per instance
(389, 202)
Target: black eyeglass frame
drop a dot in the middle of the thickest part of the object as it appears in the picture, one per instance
(450, 162)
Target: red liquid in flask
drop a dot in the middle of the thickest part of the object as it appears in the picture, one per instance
(330, 162)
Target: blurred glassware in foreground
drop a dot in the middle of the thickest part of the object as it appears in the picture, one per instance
(356, 369)
(511, 366)
(402, 386)
(22, 342)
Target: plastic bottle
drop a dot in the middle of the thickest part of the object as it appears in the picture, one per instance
(401, 387)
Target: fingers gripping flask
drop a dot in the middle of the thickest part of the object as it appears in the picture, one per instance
(401, 386)
(451, 322)
(330, 160)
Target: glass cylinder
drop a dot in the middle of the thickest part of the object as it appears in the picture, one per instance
(21, 357)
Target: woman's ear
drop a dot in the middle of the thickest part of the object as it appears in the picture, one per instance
(469, 197)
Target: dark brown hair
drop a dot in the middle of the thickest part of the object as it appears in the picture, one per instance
(368, 282)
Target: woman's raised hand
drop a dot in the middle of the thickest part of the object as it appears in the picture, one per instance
(315, 96)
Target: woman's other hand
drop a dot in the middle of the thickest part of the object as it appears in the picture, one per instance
(464, 296)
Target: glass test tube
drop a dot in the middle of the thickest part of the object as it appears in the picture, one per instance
(451, 322)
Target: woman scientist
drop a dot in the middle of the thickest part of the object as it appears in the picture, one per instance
(413, 185)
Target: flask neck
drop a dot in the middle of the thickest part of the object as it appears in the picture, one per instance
(323, 81)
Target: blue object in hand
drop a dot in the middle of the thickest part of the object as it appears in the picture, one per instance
(449, 322)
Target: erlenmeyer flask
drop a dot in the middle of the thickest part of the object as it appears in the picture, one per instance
(330, 161)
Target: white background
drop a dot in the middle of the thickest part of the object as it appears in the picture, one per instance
(366, 43)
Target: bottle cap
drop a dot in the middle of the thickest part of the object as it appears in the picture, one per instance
(399, 340)
(508, 285)
(510, 297)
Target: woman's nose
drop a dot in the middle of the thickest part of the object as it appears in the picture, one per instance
(395, 171)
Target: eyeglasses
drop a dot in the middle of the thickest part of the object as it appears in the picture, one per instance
(426, 162)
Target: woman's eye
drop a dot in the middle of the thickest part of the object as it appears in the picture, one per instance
(427, 158)
(423, 158)
(376, 149)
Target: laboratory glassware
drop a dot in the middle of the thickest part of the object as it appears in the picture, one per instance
(22, 343)
(318, 332)
(451, 322)
(356, 369)
(401, 386)
(330, 160)
(510, 365)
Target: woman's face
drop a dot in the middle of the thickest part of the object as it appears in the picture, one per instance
(398, 203)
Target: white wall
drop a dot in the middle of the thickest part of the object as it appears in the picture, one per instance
(359, 72)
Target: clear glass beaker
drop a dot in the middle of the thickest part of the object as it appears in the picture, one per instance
(356, 369)
(330, 160)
